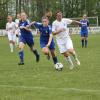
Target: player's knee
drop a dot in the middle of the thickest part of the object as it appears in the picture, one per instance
(45, 51)
(66, 54)
(21, 46)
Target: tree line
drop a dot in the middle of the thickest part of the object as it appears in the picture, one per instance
(36, 8)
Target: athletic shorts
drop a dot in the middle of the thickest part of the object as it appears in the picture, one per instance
(12, 37)
(43, 44)
(27, 40)
(65, 44)
(84, 34)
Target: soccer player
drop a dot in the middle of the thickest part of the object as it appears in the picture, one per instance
(84, 31)
(10, 28)
(26, 37)
(46, 38)
(17, 30)
(60, 30)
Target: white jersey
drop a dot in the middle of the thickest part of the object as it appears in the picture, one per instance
(63, 24)
(63, 39)
(11, 27)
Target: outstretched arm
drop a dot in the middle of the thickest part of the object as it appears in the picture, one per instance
(76, 22)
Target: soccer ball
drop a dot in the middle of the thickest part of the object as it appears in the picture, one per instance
(58, 66)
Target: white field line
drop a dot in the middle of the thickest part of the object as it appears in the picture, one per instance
(47, 88)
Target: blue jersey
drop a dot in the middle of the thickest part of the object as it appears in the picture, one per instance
(25, 33)
(26, 36)
(45, 32)
(84, 26)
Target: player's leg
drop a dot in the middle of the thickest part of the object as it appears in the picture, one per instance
(63, 51)
(30, 43)
(82, 41)
(46, 52)
(10, 38)
(14, 39)
(53, 54)
(70, 49)
(21, 53)
(86, 40)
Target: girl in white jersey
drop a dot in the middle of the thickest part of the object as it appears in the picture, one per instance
(60, 30)
(10, 28)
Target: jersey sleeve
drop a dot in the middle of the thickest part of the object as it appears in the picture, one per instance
(37, 24)
(68, 21)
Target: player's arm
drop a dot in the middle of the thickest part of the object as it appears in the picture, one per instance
(32, 23)
(55, 32)
(25, 28)
(76, 22)
(50, 40)
(59, 31)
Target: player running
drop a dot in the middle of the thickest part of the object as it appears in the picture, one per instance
(46, 38)
(84, 31)
(10, 28)
(26, 37)
(60, 30)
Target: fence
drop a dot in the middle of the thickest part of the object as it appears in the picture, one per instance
(72, 30)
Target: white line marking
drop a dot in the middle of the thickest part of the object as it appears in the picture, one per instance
(48, 88)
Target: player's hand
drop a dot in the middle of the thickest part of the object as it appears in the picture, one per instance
(21, 27)
(48, 45)
(62, 30)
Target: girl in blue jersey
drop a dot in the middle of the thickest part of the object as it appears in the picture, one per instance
(84, 31)
(46, 38)
(26, 37)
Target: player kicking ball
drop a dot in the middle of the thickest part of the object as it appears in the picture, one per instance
(26, 37)
(10, 28)
(84, 31)
(46, 40)
(60, 30)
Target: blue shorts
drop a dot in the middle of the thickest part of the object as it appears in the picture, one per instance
(27, 40)
(51, 47)
(84, 34)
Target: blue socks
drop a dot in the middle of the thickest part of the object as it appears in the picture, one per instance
(21, 56)
(55, 60)
(84, 43)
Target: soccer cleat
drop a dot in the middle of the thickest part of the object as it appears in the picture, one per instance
(38, 58)
(71, 67)
(21, 63)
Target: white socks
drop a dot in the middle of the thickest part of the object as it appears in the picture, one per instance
(11, 47)
(69, 60)
(17, 40)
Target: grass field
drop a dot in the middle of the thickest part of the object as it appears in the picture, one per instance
(39, 81)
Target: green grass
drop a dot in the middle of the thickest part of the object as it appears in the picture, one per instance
(39, 81)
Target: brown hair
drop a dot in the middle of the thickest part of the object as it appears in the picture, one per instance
(58, 11)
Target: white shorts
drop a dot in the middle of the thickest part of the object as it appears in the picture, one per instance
(65, 44)
(11, 37)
